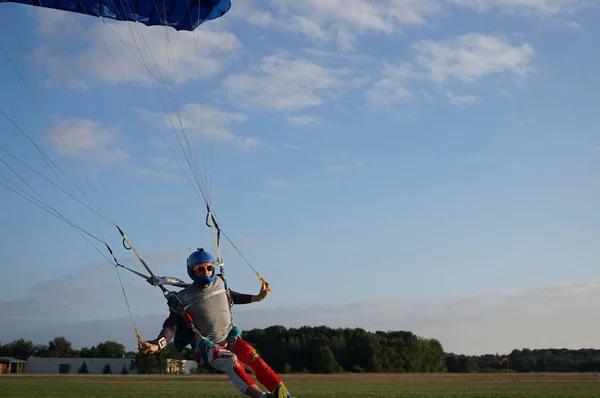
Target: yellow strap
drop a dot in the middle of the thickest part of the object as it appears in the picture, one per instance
(218, 247)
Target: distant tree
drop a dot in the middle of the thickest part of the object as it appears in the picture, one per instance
(21, 349)
(83, 369)
(326, 361)
(106, 370)
(60, 347)
(86, 352)
(124, 370)
(325, 349)
(110, 349)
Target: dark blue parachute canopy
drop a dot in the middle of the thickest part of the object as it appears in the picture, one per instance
(178, 14)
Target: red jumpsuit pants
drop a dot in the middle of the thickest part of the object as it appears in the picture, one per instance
(228, 360)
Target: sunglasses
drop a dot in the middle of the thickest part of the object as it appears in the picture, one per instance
(200, 268)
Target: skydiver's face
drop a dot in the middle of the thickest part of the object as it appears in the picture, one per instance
(204, 269)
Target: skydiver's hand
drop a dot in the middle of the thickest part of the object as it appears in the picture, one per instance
(147, 348)
(264, 290)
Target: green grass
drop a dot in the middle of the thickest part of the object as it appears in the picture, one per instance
(367, 385)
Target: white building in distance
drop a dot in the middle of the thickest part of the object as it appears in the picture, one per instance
(96, 365)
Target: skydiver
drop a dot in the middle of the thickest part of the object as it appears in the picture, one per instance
(208, 301)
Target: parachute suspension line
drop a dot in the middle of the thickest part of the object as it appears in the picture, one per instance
(154, 281)
(260, 278)
(216, 232)
(51, 165)
(107, 206)
(197, 175)
(46, 207)
(22, 50)
(211, 216)
(137, 334)
(44, 156)
(109, 213)
(154, 79)
(46, 178)
(131, 247)
(31, 93)
(189, 156)
(184, 142)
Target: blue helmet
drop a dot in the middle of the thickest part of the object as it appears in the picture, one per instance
(198, 257)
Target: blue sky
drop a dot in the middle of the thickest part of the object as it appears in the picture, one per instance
(433, 151)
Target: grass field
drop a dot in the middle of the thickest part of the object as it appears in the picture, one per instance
(546, 385)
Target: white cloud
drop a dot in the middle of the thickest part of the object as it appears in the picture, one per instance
(508, 95)
(121, 51)
(344, 167)
(470, 325)
(340, 21)
(284, 82)
(92, 292)
(59, 25)
(266, 196)
(595, 148)
(278, 183)
(472, 56)
(204, 122)
(343, 21)
(537, 7)
(335, 167)
(464, 58)
(304, 120)
(574, 25)
(86, 139)
(461, 100)
(485, 323)
(391, 86)
(163, 163)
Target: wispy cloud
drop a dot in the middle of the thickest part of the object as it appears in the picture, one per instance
(304, 120)
(86, 139)
(594, 148)
(344, 167)
(163, 162)
(532, 7)
(205, 122)
(470, 325)
(340, 21)
(391, 86)
(266, 196)
(286, 82)
(462, 59)
(472, 56)
(116, 52)
(461, 100)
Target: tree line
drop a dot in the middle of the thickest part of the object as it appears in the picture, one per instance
(328, 350)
